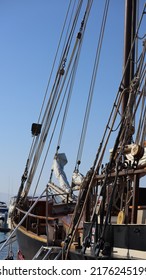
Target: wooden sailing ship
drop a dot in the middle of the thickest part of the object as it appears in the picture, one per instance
(101, 215)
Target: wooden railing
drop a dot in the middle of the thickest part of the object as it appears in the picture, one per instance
(35, 223)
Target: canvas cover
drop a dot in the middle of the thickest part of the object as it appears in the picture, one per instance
(77, 178)
(59, 162)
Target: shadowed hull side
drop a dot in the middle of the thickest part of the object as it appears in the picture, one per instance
(29, 243)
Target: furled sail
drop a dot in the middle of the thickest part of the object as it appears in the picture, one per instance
(59, 162)
(77, 178)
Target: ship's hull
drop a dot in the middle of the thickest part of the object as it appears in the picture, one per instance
(36, 231)
(28, 243)
(127, 241)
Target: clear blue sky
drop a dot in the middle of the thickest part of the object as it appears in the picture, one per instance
(29, 34)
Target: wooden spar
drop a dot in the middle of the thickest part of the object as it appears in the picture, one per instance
(128, 64)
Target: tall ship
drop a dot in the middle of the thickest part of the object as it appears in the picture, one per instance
(102, 214)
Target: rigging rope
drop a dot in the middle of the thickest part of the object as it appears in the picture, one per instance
(94, 171)
(57, 90)
(89, 178)
(34, 143)
(36, 139)
(142, 123)
(69, 87)
(81, 33)
(92, 85)
(71, 78)
(117, 102)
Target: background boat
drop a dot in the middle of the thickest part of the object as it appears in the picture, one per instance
(3, 217)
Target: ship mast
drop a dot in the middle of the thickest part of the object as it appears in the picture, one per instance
(129, 55)
(128, 66)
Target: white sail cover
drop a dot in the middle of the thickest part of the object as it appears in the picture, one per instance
(77, 178)
(59, 162)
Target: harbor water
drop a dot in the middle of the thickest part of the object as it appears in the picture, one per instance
(10, 249)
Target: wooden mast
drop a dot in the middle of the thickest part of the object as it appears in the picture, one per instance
(128, 64)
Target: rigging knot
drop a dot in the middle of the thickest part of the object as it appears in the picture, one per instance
(135, 83)
(79, 35)
(77, 166)
(62, 70)
(36, 129)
